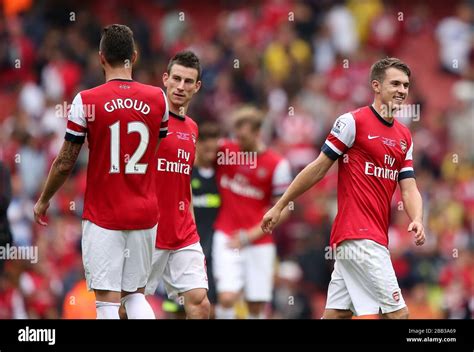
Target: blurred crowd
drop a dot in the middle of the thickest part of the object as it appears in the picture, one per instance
(305, 63)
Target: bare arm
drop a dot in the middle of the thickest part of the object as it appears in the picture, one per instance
(308, 177)
(413, 204)
(191, 207)
(60, 170)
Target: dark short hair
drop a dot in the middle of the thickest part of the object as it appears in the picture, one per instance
(117, 44)
(208, 129)
(377, 71)
(187, 59)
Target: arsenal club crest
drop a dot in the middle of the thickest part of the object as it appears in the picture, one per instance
(396, 294)
(403, 145)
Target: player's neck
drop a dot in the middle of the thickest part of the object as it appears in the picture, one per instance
(178, 110)
(383, 112)
(259, 147)
(118, 73)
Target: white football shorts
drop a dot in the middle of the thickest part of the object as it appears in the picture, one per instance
(116, 260)
(181, 270)
(250, 269)
(363, 279)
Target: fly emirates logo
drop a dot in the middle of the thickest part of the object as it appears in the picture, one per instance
(240, 185)
(181, 166)
(382, 172)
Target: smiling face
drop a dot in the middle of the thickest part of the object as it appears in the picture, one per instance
(181, 84)
(392, 92)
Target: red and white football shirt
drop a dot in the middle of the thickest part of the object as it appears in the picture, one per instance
(247, 186)
(123, 121)
(373, 156)
(176, 228)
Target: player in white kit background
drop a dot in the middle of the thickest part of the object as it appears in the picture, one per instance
(374, 153)
(250, 177)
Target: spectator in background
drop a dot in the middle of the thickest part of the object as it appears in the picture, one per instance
(455, 36)
(206, 199)
(5, 197)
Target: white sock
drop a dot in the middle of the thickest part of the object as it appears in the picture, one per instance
(255, 316)
(138, 307)
(224, 313)
(107, 310)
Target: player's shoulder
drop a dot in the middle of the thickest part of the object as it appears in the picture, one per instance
(344, 123)
(227, 143)
(402, 128)
(272, 156)
(190, 122)
(360, 114)
(148, 89)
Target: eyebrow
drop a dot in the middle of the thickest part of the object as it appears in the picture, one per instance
(191, 80)
(398, 81)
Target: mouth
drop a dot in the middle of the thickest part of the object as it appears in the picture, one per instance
(178, 95)
(399, 99)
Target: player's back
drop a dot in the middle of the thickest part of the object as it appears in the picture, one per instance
(122, 120)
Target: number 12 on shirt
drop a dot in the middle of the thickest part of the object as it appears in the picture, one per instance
(132, 166)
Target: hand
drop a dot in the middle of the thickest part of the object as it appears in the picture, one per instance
(239, 239)
(419, 230)
(270, 219)
(40, 211)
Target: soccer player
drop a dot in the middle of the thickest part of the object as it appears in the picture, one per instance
(206, 198)
(375, 152)
(123, 121)
(178, 258)
(249, 176)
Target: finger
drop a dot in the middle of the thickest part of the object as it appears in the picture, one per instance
(40, 221)
(420, 241)
(267, 225)
(410, 227)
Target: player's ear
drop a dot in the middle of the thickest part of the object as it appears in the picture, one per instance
(134, 56)
(102, 59)
(198, 86)
(376, 86)
(165, 78)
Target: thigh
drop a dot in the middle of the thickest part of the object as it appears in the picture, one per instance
(226, 264)
(138, 258)
(159, 262)
(338, 297)
(185, 270)
(103, 257)
(259, 267)
(370, 278)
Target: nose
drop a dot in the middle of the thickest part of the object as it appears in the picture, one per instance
(402, 89)
(180, 85)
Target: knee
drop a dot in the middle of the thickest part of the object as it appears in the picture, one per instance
(255, 308)
(399, 314)
(203, 306)
(197, 306)
(227, 299)
(337, 314)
